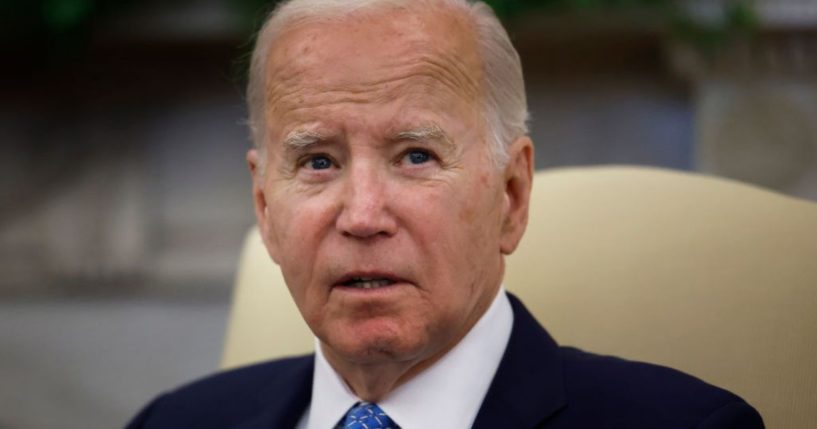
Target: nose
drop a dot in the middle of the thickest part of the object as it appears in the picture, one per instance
(366, 210)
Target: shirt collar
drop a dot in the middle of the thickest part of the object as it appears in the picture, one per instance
(448, 394)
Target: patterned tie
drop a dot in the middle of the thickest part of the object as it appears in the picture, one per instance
(365, 415)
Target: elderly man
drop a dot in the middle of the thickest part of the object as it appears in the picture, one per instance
(391, 173)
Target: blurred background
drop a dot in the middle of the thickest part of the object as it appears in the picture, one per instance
(125, 198)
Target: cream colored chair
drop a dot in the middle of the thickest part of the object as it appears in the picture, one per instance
(713, 277)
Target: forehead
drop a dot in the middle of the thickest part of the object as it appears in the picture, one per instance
(429, 56)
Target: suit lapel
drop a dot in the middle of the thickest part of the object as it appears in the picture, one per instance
(528, 386)
(286, 397)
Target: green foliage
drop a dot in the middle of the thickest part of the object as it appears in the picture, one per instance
(62, 15)
(57, 29)
(737, 17)
(63, 23)
(508, 8)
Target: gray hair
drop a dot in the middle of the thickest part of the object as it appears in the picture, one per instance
(505, 107)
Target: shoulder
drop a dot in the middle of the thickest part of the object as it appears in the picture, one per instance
(227, 398)
(647, 395)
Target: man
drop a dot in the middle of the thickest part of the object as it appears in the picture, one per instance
(391, 175)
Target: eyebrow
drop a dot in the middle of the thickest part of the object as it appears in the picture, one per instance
(301, 139)
(424, 133)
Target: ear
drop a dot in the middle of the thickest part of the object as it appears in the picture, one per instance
(259, 199)
(518, 182)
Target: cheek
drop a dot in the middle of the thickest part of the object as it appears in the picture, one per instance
(480, 206)
(460, 229)
(479, 230)
(296, 226)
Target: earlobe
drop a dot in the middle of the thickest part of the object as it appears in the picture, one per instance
(259, 198)
(518, 182)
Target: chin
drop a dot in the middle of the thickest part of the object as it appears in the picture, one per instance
(367, 347)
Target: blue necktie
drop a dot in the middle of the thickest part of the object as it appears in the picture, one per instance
(365, 415)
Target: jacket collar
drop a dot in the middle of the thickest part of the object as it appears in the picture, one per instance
(528, 386)
(286, 397)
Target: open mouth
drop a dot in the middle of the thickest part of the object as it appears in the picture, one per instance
(367, 282)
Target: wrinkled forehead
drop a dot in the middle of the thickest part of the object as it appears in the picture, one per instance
(366, 50)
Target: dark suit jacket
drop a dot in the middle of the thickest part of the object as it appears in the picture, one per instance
(537, 385)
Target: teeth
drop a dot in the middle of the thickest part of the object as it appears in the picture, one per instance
(369, 283)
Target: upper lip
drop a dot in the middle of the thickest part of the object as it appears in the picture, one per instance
(368, 275)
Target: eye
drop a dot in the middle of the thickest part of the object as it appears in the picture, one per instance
(318, 162)
(417, 156)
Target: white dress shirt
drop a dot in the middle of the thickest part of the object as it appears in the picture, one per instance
(447, 395)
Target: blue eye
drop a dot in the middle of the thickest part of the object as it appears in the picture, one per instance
(319, 162)
(418, 157)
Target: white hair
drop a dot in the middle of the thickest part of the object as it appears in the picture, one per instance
(505, 107)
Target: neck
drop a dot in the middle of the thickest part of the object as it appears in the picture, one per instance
(372, 382)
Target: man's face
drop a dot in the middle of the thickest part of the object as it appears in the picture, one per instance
(379, 197)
